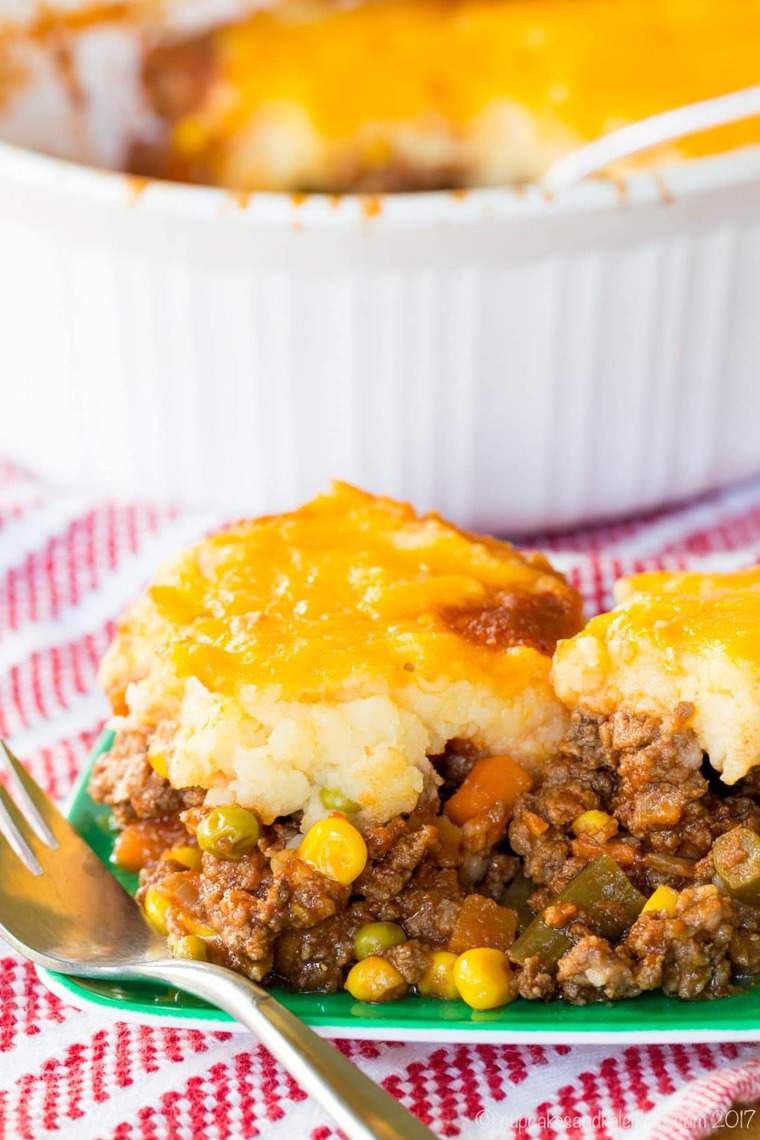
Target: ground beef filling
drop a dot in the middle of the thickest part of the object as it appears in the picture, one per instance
(125, 779)
(272, 916)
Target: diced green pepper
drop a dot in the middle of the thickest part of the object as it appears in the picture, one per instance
(736, 855)
(540, 941)
(606, 897)
(516, 896)
(607, 902)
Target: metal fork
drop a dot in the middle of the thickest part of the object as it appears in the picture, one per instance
(62, 908)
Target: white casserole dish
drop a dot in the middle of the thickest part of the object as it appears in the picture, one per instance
(518, 363)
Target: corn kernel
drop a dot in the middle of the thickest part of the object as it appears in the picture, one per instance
(156, 908)
(190, 947)
(188, 856)
(664, 898)
(484, 979)
(157, 761)
(374, 979)
(334, 847)
(593, 823)
(194, 926)
(438, 979)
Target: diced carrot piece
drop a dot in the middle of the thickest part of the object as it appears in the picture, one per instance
(482, 922)
(622, 853)
(493, 779)
(145, 842)
(118, 698)
(585, 848)
(535, 824)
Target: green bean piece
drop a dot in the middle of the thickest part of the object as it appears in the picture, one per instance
(334, 800)
(607, 902)
(736, 855)
(540, 941)
(516, 896)
(228, 832)
(375, 937)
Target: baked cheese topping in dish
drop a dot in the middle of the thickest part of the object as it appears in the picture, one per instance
(399, 94)
(676, 637)
(339, 647)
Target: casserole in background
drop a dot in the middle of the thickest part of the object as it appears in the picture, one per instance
(388, 95)
(518, 362)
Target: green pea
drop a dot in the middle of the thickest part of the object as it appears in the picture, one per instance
(191, 947)
(376, 937)
(228, 831)
(334, 800)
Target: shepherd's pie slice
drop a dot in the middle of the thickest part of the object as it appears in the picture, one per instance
(676, 637)
(339, 647)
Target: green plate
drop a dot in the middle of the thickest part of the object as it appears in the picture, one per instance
(649, 1018)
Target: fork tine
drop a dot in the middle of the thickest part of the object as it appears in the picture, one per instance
(36, 804)
(9, 855)
(12, 827)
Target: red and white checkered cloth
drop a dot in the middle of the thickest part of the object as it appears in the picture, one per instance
(68, 565)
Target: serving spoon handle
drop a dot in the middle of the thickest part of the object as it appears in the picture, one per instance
(650, 132)
(364, 1110)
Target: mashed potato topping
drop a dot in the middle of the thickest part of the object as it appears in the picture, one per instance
(338, 647)
(676, 637)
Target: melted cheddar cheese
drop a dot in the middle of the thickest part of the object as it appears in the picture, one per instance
(676, 637)
(340, 646)
(496, 87)
(594, 64)
(351, 587)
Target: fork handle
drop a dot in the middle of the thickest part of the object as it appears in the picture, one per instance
(364, 1110)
